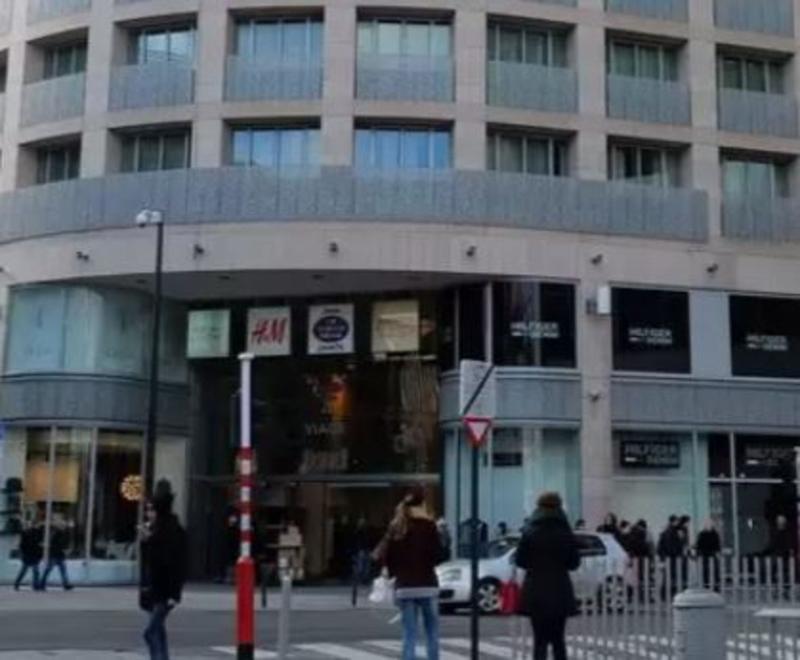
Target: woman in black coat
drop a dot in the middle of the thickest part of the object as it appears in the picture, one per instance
(547, 553)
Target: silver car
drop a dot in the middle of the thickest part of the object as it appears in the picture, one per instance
(603, 579)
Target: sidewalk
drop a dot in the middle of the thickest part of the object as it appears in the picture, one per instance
(196, 597)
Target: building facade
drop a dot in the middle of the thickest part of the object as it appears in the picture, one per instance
(599, 196)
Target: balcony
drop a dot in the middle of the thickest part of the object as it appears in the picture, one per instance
(44, 10)
(648, 100)
(153, 85)
(6, 8)
(765, 219)
(563, 3)
(532, 87)
(339, 194)
(667, 10)
(54, 99)
(247, 79)
(768, 16)
(757, 112)
(404, 78)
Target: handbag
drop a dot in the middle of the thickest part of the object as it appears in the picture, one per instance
(382, 592)
(510, 596)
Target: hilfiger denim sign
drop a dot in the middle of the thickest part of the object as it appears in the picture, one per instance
(330, 329)
(269, 331)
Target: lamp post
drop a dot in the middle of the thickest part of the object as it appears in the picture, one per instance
(145, 218)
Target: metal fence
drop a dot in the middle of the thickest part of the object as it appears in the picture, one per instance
(627, 612)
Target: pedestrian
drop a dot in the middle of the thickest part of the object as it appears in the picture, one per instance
(610, 526)
(445, 538)
(502, 531)
(670, 551)
(708, 548)
(625, 536)
(163, 568)
(360, 558)
(547, 553)
(781, 547)
(413, 551)
(640, 550)
(30, 554)
(57, 557)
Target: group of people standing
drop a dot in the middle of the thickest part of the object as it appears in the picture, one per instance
(31, 554)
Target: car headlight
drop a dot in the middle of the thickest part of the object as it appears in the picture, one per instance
(450, 575)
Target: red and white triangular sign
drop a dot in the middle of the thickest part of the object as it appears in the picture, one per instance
(477, 429)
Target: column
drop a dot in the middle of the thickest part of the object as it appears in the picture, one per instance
(339, 85)
(213, 37)
(589, 59)
(95, 139)
(469, 53)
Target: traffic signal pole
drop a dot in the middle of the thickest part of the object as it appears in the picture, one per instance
(245, 567)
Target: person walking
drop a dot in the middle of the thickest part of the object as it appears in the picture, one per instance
(670, 551)
(547, 553)
(57, 557)
(163, 568)
(708, 547)
(413, 550)
(30, 554)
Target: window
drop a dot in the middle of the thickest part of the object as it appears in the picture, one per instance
(275, 147)
(750, 73)
(765, 336)
(415, 38)
(655, 166)
(280, 40)
(534, 324)
(533, 154)
(527, 44)
(471, 321)
(164, 44)
(643, 60)
(155, 151)
(651, 330)
(64, 60)
(58, 163)
(387, 148)
(752, 177)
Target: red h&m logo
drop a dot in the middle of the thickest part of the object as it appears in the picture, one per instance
(270, 331)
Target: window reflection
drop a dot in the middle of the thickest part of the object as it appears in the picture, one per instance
(403, 148)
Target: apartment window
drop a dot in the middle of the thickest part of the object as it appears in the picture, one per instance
(415, 38)
(643, 60)
(280, 40)
(58, 163)
(147, 152)
(654, 166)
(532, 154)
(744, 178)
(164, 44)
(275, 147)
(753, 74)
(392, 148)
(527, 44)
(64, 60)
(765, 336)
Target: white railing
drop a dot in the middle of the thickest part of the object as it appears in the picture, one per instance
(770, 16)
(669, 10)
(54, 99)
(757, 112)
(248, 79)
(644, 99)
(533, 87)
(42, 10)
(404, 78)
(153, 85)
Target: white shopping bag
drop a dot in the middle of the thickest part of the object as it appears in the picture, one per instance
(382, 592)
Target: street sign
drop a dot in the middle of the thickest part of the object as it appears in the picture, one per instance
(477, 429)
(478, 389)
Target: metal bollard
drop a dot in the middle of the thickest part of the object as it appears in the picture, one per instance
(700, 627)
(286, 609)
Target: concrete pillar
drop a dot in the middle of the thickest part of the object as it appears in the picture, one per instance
(99, 58)
(700, 626)
(470, 89)
(339, 85)
(213, 45)
(590, 61)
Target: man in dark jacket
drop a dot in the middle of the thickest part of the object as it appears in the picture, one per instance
(670, 551)
(547, 553)
(58, 554)
(30, 554)
(163, 563)
(708, 548)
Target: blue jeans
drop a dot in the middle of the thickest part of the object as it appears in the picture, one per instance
(156, 632)
(61, 565)
(410, 608)
(24, 571)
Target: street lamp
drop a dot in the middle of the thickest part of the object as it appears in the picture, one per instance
(145, 218)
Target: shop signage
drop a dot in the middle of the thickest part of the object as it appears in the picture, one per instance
(395, 326)
(209, 333)
(767, 343)
(269, 331)
(769, 457)
(650, 336)
(330, 329)
(644, 454)
(536, 329)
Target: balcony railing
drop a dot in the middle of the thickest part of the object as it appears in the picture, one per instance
(533, 87)
(472, 198)
(153, 85)
(756, 112)
(564, 3)
(54, 99)
(6, 8)
(644, 99)
(770, 16)
(247, 79)
(43, 10)
(762, 219)
(404, 78)
(668, 10)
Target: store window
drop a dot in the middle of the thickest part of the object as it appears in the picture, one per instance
(651, 330)
(64, 60)
(765, 336)
(534, 324)
(274, 147)
(146, 152)
(471, 322)
(510, 151)
(529, 44)
(280, 40)
(447, 330)
(164, 44)
(643, 60)
(58, 162)
(410, 38)
(648, 165)
(754, 177)
(751, 73)
(403, 148)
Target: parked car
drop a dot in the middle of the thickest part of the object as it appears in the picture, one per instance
(603, 578)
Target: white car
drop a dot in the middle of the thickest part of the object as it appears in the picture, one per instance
(603, 577)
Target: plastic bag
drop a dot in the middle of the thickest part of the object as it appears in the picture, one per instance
(382, 592)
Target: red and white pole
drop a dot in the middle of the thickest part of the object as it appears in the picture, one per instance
(245, 568)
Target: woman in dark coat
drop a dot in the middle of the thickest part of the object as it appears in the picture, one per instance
(547, 553)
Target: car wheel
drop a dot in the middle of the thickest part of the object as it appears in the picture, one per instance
(489, 596)
(614, 595)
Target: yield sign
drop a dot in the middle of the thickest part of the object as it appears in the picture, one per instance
(477, 429)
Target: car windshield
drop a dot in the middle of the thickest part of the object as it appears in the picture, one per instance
(500, 547)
